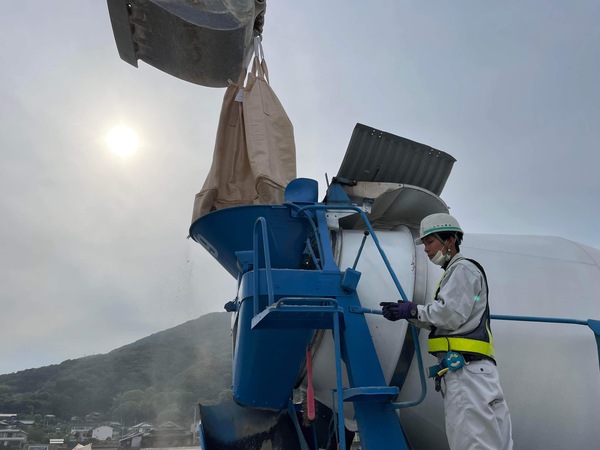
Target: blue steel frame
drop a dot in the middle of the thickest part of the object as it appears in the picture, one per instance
(360, 310)
(341, 312)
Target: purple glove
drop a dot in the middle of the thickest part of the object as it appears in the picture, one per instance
(399, 310)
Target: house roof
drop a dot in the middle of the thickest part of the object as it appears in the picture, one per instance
(170, 425)
(131, 435)
(12, 430)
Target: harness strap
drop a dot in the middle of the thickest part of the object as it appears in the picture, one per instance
(478, 341)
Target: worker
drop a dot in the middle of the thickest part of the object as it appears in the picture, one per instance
(477, 416)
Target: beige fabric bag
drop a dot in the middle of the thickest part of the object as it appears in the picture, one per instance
(229, 181)
(255, 156)
(269, 134)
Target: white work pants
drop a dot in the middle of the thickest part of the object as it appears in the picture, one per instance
(477, 416)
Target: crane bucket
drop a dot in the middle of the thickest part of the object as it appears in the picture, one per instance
(205, 43)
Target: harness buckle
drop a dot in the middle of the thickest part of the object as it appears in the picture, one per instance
(454, 361)
(451, 362)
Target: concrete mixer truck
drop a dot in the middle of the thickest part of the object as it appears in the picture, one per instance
(310, 276)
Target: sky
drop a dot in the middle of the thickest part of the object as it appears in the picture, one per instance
(93, 248)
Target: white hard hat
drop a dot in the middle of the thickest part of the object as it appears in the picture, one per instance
(438, 223)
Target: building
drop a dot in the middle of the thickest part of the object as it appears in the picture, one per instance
(103, 433)
(25, 423)
(54, 444)
(168, 435)
(143, 427)
(8, 419)
(133, 439)
(38, 447)
(81, 430)
(12, 437)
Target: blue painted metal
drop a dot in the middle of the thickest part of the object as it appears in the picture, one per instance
(338, 381)
(362, 245)
(266, 362)
(371, 394)
(415, 334)
(361, 310)
(227, 231)
(309, 291)
(319, 207)
(267, 258)
(314, 313)
(280, 306)
(201, 436)
(350, 279)
(302, 190)
(594, 325)
(539, 319)
(336, 194)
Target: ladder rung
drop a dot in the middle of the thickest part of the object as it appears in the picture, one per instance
(371, 394)
(298, 316)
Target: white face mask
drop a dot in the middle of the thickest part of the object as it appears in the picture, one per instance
(441, 258)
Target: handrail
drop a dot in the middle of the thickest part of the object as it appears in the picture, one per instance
(415, 334)
(303, 210)
(360, 249)
(540, 319)
(414, 331)
(399, 405)
(263, 228)
(369, 227)
(594, 325)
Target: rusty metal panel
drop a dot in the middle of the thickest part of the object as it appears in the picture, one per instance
(375, 155)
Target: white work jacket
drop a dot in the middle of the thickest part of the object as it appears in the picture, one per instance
(461, 300)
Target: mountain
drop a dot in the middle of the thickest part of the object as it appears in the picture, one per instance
(158, 378)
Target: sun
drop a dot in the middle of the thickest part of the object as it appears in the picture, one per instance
(122, 141)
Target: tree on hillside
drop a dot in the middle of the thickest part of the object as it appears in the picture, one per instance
(36, 435)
